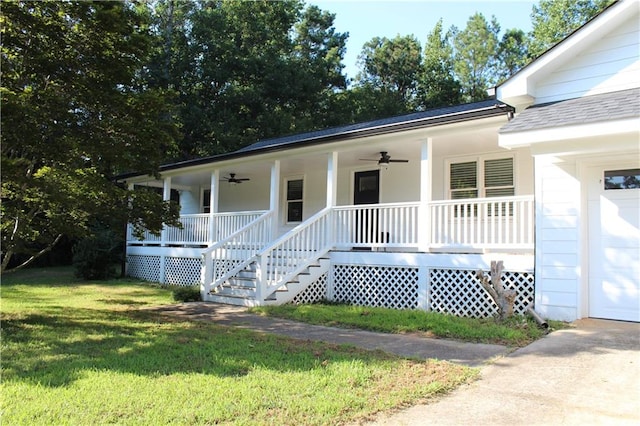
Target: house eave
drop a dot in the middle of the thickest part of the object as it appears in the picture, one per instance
(622, 135)
(494, 110)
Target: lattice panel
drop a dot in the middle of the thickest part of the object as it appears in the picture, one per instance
(458, 292)
(222, 266)
(316, 292)
(384, 286)
(144, 267)
(182, 270)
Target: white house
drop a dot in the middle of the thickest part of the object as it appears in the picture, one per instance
(578, 109)
(401, 212)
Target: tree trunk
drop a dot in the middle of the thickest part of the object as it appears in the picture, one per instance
(27, 262)
(505, 298)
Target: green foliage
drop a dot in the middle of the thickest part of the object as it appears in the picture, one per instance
(437, 85)
(391, 66)
(86, 353)
(553, 20)
(245, 71)
(74, 116)
(187, 294)
(95, 256)
(475, 50)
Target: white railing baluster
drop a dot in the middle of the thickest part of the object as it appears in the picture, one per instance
(489, 223)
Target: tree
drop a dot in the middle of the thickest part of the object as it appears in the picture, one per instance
(74, 116)
(392, 66)
(474, 56)
(246, 70)
(512, 53)
(553, 20)
(437, 85)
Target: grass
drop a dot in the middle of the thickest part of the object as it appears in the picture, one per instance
(77, 352)
(516, 332)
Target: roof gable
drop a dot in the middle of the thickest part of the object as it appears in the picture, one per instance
(599, 57)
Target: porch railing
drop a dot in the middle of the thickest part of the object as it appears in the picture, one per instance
(196, 228)
(469, 224)
(500, 222)
(376, 225)
(233, 253)
(293, 252)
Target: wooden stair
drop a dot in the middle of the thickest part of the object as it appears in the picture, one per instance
(241, 288)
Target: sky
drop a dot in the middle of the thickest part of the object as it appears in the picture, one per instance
(365, 19)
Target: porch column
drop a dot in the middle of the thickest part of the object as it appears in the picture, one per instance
(426, 182)
(274, 197)
(213, 205)
(332, 179)
(166, 196)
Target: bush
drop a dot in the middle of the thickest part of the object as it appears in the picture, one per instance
(95, 257)
(187, 294)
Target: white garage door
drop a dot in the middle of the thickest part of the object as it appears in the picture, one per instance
(614, 242)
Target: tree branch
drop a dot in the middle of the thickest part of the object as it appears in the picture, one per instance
(27, 262)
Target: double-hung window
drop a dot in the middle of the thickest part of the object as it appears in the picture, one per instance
(481, 178)
(294, 200)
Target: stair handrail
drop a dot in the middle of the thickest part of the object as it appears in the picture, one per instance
(270, 279)
(208, 281)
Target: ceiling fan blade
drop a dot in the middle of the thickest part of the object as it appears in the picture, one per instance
(367, 159)
(398, 161)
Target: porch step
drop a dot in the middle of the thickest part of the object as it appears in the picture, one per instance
(241, 289)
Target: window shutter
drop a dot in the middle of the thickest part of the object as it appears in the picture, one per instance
(498, 177)
(463, 180)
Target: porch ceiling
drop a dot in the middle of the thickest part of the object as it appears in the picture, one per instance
(463, 138)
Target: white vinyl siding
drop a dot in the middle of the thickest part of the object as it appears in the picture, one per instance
(606, 66)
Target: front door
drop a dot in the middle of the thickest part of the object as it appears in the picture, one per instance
(366, 191)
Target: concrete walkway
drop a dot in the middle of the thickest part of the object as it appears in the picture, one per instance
(587, 375)
(472, 354)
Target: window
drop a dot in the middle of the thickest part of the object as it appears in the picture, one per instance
(206, 201)
(622, 179)
(294, 200)
(481, 178)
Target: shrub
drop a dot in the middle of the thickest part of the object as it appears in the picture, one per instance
(94, 257)
(187, 294)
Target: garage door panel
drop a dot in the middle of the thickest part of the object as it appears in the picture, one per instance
(614, 250)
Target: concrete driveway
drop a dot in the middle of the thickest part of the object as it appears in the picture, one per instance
(587, 375)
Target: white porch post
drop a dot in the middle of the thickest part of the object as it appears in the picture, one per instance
(332, 191)
(213, 205)
(274, 197)
(332, 179)
(426, 182)
(166, 196)
(424, 219)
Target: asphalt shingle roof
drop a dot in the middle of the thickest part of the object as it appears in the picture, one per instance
(432, 117)
(585, 110)
(336, 132)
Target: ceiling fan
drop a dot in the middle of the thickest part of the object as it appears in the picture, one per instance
(233, 180)
(384, 160)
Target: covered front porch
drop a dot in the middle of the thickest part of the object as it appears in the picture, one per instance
(268, 236)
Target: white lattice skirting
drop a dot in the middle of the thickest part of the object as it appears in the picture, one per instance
(183, 271)
(451, 291)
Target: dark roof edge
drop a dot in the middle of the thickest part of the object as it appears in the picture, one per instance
(496, 109)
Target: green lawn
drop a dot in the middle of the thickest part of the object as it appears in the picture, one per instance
(517, 331)
(83, 353)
